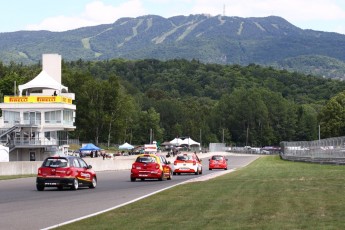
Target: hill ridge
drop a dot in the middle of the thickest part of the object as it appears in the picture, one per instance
(268, 41)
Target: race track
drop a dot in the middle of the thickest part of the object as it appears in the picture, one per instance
(22, 207)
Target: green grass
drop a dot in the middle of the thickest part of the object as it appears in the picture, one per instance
(16, 176)
(268, 194)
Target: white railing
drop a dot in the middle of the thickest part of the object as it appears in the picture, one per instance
(7, 124)
(22, 141)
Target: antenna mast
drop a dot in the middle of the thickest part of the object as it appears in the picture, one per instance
(223, 10)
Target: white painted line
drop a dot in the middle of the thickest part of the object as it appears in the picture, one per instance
(109, 209)
(201, 178)
(209, 176)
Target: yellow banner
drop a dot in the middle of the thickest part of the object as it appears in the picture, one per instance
(37, 99)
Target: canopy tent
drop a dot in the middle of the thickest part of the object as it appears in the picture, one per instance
(185, 141)
(166, 143)
(126, 146)
(42, 81)
(188, 141)
(89, 147)
(176, 141)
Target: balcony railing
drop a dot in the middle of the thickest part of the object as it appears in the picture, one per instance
(33, 141)
(38, 122)
(27, 143)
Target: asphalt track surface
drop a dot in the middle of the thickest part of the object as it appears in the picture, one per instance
(23, 207)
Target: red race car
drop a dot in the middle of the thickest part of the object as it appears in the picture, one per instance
(65, 171)
(218, 162)
(151, 166)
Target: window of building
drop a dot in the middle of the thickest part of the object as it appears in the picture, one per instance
(53, 117)
(68, 116)
(11, 117)
(32, 118)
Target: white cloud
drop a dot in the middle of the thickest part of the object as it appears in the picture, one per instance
(302, 10)
(326, 15)
(95, 13)
(306, 14)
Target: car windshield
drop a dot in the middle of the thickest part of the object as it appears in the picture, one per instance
(55, 162)
(217, 158)
(184, 158)
(146, 159)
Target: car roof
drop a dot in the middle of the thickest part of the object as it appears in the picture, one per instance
(158, 159)
(185, 154)
(147, 154)
(59, 157)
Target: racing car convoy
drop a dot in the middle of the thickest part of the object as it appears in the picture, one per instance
(73, 172)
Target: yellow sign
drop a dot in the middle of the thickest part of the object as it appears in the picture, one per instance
(37, 99)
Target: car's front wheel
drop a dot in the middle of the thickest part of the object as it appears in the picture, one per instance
(40, 187)
(93, 183)
(75, 184)
(133, 179)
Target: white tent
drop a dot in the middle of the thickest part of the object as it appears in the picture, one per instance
(176, 141)
(188, 141)
(42, 81)
(126, 146)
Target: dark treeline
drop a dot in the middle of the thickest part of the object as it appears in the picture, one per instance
(120, 100)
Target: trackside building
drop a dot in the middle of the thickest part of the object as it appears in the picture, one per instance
(36, 120)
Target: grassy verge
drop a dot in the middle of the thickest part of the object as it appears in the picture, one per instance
(268, 194)
(16, 176)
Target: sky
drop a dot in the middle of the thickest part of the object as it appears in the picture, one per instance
(62, 15)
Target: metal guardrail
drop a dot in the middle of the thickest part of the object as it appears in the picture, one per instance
(330, 150)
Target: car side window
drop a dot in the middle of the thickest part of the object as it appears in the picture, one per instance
(163, 160)
(76, 163)
(82, 163)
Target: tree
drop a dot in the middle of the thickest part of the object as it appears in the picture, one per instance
(332, 117)
(306, 123)
(148, 124)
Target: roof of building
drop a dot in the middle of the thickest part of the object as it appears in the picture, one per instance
(42, 81)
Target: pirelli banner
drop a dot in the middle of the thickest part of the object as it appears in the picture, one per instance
(37, 99)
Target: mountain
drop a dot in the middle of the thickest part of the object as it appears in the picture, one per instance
(270, 41)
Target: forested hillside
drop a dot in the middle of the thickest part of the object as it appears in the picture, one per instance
(268, 41)
(121, 100)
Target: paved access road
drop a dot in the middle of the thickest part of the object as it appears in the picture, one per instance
(22, 207)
